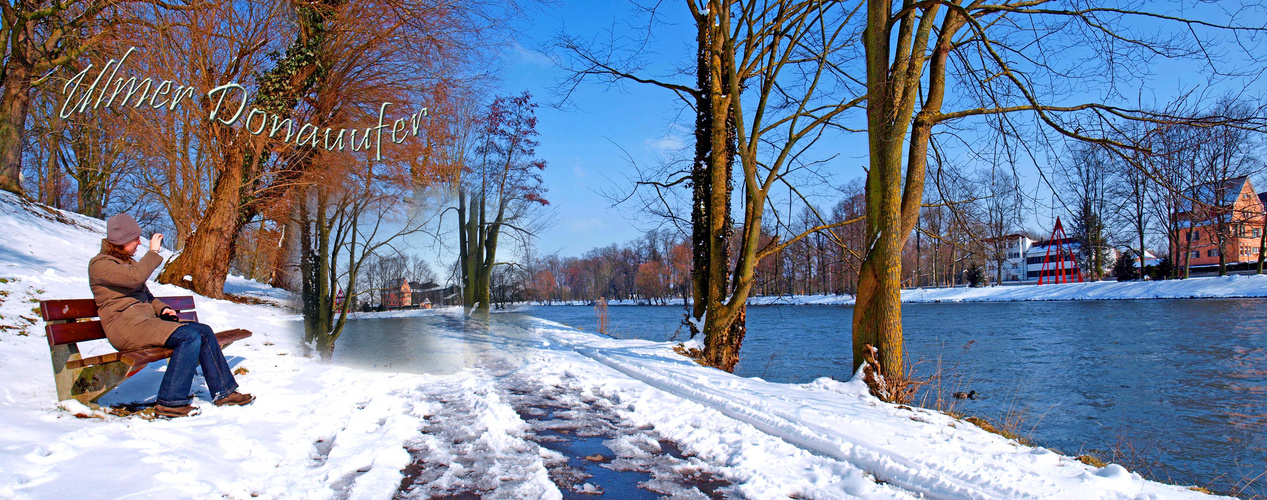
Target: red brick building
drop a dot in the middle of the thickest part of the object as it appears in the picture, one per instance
(1239, 213)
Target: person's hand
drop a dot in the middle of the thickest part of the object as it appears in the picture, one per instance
(156, 242)
(168, 313)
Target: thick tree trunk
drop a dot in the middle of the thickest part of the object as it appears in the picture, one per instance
(324, 312)
(15, 101)
(725, 322)
(700, 181)
(209, 250)
(314, 265)
(464, 251)
(477, 240)
(877, 314)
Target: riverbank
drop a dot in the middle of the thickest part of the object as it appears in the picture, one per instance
(327, 431)
(1215, 287)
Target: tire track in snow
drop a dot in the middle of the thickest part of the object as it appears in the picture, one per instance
(914, 476)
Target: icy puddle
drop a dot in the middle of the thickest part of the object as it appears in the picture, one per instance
(596, 454)
(585, 448)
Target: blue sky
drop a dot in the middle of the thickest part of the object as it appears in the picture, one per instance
(590, 143)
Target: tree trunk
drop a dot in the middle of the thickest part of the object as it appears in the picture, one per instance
(700, 193)
(209, 250)
(477, 239)
(283, 270)
(464, 251)
(1222, 252)
(1140, 224)
(1262, 243)
(307, 267)
(877, 315)
(14, 104)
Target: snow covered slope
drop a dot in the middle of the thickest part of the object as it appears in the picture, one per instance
(324, 431)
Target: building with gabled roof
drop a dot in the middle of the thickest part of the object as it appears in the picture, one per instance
(1239, 213)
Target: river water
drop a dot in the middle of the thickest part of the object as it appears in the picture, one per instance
(1175, 389)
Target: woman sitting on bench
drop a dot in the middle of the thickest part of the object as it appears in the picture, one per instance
(132, 319)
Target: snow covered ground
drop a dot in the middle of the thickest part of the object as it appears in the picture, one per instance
(1192, 288)
(327, 431)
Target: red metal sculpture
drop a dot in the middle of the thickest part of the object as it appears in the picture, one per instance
(1058, 240)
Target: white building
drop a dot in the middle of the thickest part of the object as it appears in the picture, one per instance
(1024, 262)
(1014, 268)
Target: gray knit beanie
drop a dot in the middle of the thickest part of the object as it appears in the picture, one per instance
(122, 229)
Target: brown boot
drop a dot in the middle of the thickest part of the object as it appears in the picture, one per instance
(174, 411)
(235, 399)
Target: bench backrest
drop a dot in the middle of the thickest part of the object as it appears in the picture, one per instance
(66, 323)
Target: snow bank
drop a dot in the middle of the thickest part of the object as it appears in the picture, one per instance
(1234, 286)
(873, 449)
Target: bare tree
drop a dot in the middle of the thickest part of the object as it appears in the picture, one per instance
(1085, 179)
(767, 85)
(1000, 210)
(1135, 187)
(500, 186)
(384, 61)
(346, 220)
(1225, 156)
(988, 61)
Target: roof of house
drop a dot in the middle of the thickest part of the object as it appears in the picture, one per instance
(1227, 191)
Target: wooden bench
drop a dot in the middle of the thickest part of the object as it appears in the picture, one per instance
(86, 379)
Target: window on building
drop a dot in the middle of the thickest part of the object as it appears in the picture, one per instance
(1196, 253)
(1211, 253)
(1257, 232)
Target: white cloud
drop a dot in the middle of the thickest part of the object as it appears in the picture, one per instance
(532, 57)
(673, 140)
(666, 144)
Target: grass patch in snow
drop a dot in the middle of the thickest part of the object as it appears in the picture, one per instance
(1092, 460)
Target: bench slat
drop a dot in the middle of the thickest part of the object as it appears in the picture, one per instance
(152, 354)
(69, 333)
(57, 310)
(92, 361)
(181, 303)
(54, 310)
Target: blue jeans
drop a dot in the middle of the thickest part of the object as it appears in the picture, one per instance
(194, 344)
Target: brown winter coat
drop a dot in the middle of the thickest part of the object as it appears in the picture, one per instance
(129, 312)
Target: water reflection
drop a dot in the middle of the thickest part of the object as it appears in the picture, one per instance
(439, 343)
